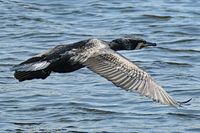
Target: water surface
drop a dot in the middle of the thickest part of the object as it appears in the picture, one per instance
(82, 101)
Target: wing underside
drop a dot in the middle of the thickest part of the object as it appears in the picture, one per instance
(123, 73)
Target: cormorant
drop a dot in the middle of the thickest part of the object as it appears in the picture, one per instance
(102, 58)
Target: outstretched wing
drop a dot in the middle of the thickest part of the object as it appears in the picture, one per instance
(123, 73)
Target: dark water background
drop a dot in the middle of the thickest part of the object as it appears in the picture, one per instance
(83, 101)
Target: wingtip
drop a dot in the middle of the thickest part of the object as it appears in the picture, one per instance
(184, 102)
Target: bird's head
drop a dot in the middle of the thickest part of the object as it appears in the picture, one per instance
(129, 44)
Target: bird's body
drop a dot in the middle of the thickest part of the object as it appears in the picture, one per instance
(61, 59)
(100, 57)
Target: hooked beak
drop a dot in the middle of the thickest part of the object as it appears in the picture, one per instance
(150, 44)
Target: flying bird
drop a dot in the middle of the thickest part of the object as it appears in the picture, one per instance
(102, 58)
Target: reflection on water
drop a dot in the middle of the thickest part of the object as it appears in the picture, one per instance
(83, 101)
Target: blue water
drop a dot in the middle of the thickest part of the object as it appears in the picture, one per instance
(82, 101)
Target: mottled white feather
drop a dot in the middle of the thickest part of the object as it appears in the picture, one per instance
(32, 66)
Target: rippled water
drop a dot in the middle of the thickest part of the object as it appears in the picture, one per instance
(82, 101)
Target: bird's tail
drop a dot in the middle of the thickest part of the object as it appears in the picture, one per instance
(33, 68)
